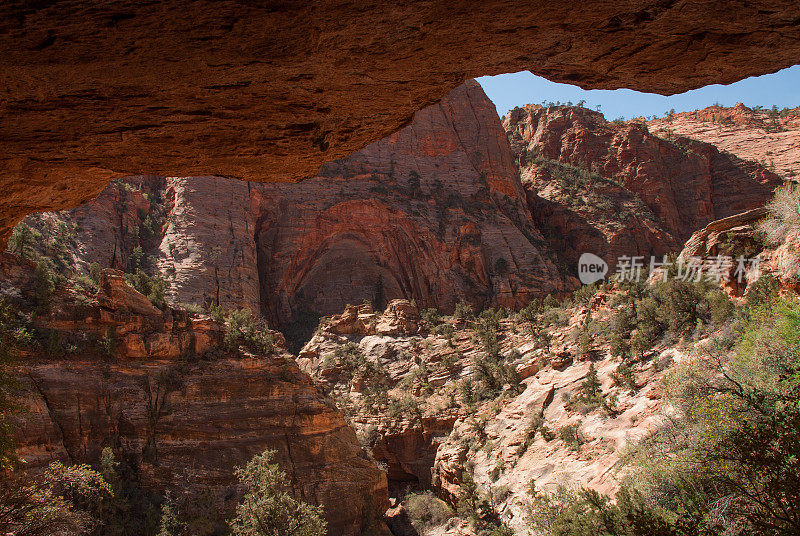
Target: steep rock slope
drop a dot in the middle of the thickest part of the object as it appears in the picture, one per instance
(613, 188)
(118, 372)
(430, 401)
(771, 137)
(270, 91)
(435, 213)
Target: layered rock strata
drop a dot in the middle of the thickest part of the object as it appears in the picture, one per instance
(613, 188)
(435, 213)
(768, 136)
(117, 372)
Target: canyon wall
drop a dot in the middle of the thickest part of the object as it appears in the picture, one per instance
(152, 385)
(435, 212)
(613, 188)
(768, 136)
(443, 210)
(419, 395)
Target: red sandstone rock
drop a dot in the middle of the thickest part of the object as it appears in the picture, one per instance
(766, 136)
(269, 93)
(435, 213)
(736, 237)
(399, 522)
(400, 317)
(115, 294)
(217, 414)
(628, 192)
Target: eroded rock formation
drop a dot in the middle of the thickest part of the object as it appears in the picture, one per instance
(739, 239)
(613, 188)
(269, 92)
(420, 401)
(117, 372)
(435, 213)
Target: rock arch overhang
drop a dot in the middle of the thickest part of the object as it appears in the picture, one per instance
(268, 90)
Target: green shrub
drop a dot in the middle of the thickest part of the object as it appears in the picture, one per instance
(478, 507)
(648, 324)
(136, 259)
(783, 223)
(463, 311)
(63, 499)
(414, 182)
(431, 316)
(405, 408)
(678, 301)
(555, 317)
(590, 396)
(734, 432)
(23, 241)
(534, 426)
(217, 313)
(43, 286)
(530, 312)
(487, 327)
(152, 287)
(619, 346)
(623, 376)
(584, 294)
(427, 511)
(721, 307)
(623, 321)
(269, 507)
(547, 434)
(590, 388)
(15, 335)
(764, 290)
(571, 435)
(587, 513)
(444, 329)
(243, 330)
(192, 308)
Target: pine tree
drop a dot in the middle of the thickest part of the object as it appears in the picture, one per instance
(591, 385)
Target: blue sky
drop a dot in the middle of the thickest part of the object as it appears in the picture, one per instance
(517, 89)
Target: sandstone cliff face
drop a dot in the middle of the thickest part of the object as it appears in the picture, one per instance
(616, 189)
(207, 250)
(435, 213)
(125, 375)
(93, 91)
(107, 229)
(770, 137)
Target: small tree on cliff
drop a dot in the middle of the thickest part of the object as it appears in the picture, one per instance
(268, 509)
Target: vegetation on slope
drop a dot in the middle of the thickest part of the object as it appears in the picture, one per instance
(725, 461)
(782, 227)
